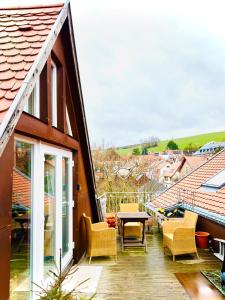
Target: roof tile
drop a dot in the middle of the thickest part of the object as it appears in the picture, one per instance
(36, 45)
(15, 59)
(2, 94)
(15, 33)
(4, 39)
(35, 51)
(27, 66)
(29, 33)
(17, 85)
(5, 104)
(24, 45)
(11, 29)
(6, 46)
(3, 34)
(27, 51)
(22, 33)
(21, 75)
(6, 75)
(40, 27)
(2, 59)
(7, 85)
(19, 66)
(29, 58)
(4, 67)
(18, 39)
(11, 52)
(10, 95)
(35, 38)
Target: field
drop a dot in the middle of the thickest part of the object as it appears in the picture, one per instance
(198, 140)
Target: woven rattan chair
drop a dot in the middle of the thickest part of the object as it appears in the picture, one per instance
(101, 240)
(131, 229)
(179, 234)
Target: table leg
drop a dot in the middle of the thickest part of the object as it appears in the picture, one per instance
(122, 235)
(143, 231)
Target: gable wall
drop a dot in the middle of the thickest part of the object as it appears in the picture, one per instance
(39, 129)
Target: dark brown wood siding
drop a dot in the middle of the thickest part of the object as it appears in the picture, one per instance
(6, 167)
(214, 229)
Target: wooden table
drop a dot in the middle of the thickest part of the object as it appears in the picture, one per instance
(126, 217)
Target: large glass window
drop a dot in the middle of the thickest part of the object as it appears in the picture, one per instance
(20, 263)
(49, 211)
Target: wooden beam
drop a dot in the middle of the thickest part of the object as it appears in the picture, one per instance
(35, 128)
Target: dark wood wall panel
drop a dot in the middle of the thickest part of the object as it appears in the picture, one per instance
(6, 169)
(216, 230)
(5, 248)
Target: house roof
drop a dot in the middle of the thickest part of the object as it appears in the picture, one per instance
(195, 161)
(187, 190)
(173, 169)
(23, 30)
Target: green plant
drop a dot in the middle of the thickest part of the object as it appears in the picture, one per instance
(172, 145)
(136, 151)
(54, 290)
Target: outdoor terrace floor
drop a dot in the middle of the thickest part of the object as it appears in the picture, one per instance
(141, 276)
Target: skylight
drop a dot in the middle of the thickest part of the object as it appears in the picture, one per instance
(216, 182)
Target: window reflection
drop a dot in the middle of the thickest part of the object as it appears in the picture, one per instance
(21, 222)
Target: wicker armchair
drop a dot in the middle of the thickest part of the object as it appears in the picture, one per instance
(179, 234)
(101, 240)
(131, 229)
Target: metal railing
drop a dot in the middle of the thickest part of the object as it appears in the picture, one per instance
(110, 202)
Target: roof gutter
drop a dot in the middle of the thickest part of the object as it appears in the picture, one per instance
(13, 114)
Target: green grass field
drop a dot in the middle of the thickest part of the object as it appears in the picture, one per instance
(198, 140)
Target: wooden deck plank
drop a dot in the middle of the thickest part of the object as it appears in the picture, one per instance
(145, 276)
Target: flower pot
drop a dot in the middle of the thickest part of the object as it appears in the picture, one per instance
(202, 239)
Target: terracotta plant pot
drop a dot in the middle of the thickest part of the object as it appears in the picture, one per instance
(202, 239)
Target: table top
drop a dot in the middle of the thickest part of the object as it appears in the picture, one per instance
(132, 215)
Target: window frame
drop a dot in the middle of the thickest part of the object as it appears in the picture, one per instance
(54, 96)
(36, 100)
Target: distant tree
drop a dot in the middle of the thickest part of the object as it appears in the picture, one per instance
(191, 147)
(150, 142)
(172, 145)
(136, 151)
(144, 151)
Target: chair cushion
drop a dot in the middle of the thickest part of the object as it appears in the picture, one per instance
(132, 224)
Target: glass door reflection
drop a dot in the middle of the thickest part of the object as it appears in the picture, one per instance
(49, 212)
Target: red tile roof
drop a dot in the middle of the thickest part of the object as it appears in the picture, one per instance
(188, 189)
(23, 31)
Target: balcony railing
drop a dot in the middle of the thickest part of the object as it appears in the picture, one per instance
(110, 202)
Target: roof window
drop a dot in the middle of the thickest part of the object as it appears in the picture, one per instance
(215, 183)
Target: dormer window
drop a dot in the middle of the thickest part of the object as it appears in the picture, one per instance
(54, 93)
(33, 104)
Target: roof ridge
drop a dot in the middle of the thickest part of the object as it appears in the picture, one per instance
(32, 6)
(223, 150)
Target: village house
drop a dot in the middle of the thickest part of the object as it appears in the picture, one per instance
(46, 172)
(201, 191)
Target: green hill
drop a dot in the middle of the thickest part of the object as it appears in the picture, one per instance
(198, 140)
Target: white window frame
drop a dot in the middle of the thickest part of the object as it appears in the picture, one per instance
(68, 124)
(38, 220)
(36, 92)
(54, 93)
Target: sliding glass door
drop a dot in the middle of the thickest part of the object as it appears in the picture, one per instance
(41, 214)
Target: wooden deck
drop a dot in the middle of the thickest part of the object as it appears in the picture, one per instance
(142, 276)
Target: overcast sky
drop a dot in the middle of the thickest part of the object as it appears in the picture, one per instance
(150, 67)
